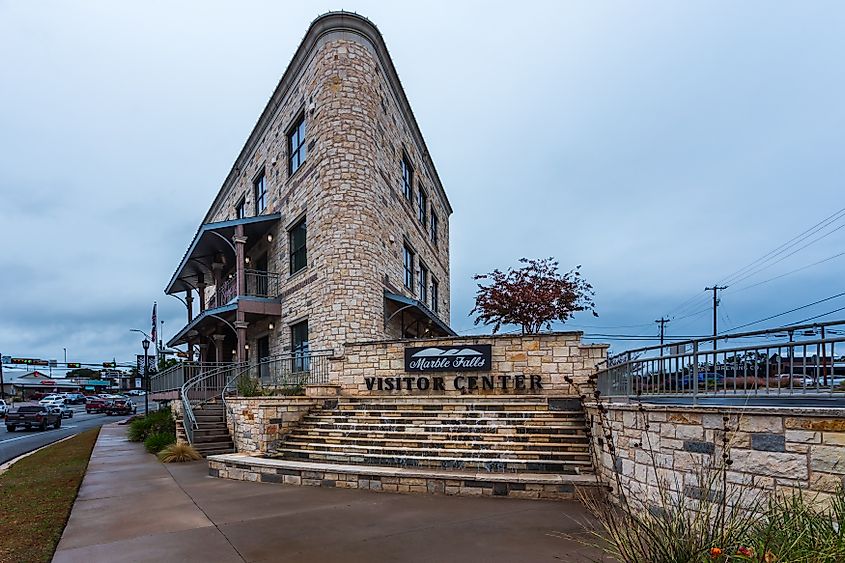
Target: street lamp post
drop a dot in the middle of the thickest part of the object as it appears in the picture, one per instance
(146, 344)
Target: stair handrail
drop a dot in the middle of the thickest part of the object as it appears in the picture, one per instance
(189, 420)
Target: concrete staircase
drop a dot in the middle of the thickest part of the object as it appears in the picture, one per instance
(212, 435)
(496, 435)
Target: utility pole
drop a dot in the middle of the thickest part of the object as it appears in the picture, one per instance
(662, 322)
(715, 289)
(2, 382)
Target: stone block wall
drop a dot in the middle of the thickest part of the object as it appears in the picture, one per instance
(256, 424)
(552, 356)
(771, 448)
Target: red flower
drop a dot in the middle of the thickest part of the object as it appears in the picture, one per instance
(746, 551)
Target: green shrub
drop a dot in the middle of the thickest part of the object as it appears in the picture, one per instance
(292, 390)
(156, 422)
(249, 386)
(158, 441)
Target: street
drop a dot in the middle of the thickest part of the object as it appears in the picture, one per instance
(21, 441)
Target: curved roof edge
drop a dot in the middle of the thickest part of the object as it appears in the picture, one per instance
(322, 25)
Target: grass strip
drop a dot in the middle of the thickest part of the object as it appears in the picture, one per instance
(36, 496)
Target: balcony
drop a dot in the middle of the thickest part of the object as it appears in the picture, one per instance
(258, 284)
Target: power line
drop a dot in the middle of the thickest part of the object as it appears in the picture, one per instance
(828, 259)
(818, 316)
(790, 311)
(736, 276)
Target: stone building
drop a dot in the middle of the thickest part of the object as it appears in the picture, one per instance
(332, 225)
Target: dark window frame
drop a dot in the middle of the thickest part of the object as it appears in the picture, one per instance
(298, 250)
(422, 206)
(240, 208)
(300, 356)
(435, 294)
(408, 267)
(297, 154)
(260, 183)
(407, 178)
(422, 284)
(433, 226)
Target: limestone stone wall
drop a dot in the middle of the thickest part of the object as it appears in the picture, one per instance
(349, 189)
(771, 448)
(552, 356)
(256, 424)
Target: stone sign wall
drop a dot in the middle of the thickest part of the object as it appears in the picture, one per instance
(532, 364)
(771, 448)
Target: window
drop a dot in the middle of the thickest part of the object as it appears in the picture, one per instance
(422, 207)
(299, 346)
(240, 209)
(260, 187)
(435, 294)
(298, 251)
(296, 145)
(423, 291)
(407, 179)
(433, 228)
(408, 260)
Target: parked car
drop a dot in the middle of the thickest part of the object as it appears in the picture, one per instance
(121, 406)
(136, 392)
(32, 416)
(4, 408)
(64, 410)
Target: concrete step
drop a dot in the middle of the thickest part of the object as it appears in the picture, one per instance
(575, 444)
(511, 435)
(521, 484)
(322, 417)
(211, 438)
(488, 463)
(427, 451)
(445, 428)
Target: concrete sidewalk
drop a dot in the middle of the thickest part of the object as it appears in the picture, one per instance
(133, 508)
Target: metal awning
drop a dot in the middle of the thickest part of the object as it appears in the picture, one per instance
(211, 240)
(421, 308)
(202, 318)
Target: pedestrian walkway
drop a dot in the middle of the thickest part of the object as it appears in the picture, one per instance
(133, 508)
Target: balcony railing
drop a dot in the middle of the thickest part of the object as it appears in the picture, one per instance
(258, 284)
(262, 284)
(787, 361)
(174, 377)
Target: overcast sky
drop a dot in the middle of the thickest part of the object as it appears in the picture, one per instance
(661, 145)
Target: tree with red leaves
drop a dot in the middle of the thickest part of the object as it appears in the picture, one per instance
(532, 296)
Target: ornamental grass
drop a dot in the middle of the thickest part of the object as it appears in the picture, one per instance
(179, 453)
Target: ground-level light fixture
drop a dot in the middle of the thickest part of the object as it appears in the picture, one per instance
(272, 326)
(269, 238)
(246, 346)
(246, 259)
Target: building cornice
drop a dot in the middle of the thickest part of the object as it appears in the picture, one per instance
(330, 22)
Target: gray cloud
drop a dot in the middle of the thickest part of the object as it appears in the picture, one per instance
(660, 145)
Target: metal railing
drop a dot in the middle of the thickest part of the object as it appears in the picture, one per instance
(296, 369)
(217, 381)
(258, 284)
(262, 284)
(202, 388)
(788, 361)
(174, 377)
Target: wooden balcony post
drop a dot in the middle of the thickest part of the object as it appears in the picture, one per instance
(240, 243)
(189, 302)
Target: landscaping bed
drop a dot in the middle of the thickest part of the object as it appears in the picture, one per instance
(36, 497)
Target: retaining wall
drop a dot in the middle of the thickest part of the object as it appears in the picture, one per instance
(771, 448)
